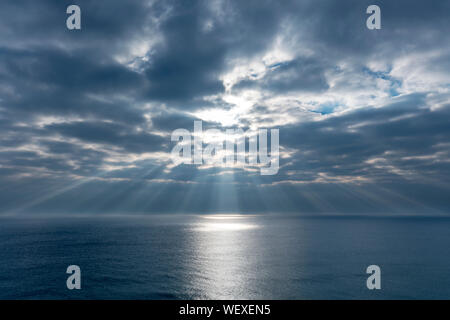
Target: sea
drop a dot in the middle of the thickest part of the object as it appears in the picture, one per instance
(232, 256)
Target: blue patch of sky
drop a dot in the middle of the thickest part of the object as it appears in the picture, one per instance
(326, 108)
(385, 75)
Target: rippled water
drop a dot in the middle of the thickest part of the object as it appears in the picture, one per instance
(224, 257)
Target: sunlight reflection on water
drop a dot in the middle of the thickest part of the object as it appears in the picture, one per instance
(224, 223)
(224, 255)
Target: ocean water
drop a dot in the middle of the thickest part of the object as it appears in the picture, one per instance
(224, 257)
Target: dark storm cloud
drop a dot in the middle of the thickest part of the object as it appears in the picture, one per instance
(338, 28)
(71, 70)
(192, 56)
(43, 22)
(110, 133)
(55, 82)
(32, 160)
(296, 75)
(170, 121)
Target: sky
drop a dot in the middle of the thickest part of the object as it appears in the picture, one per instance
(363, 115)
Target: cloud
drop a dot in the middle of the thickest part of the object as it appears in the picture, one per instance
(300, 74)
(110, 133)
(86, 116)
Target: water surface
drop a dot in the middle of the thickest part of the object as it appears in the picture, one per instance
(224, 257)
